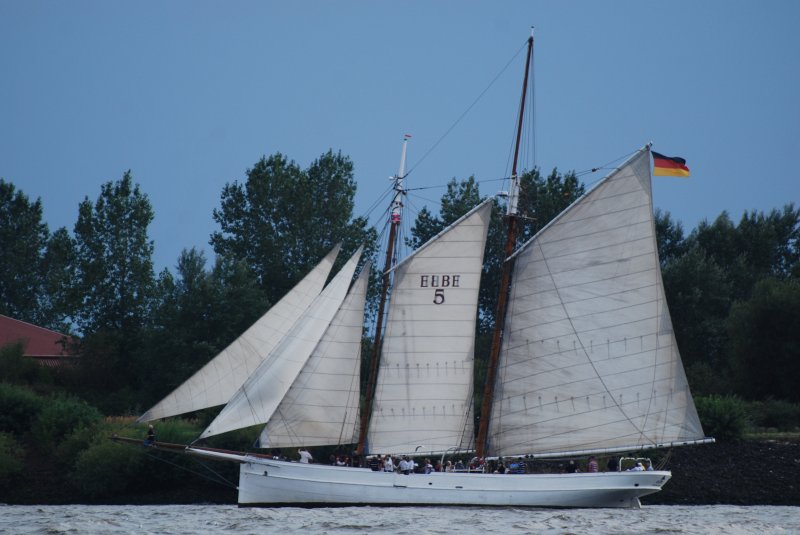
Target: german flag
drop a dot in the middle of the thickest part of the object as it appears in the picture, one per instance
(666, 166)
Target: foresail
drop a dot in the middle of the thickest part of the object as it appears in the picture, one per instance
(220, 378)
(321, 407)
(589, 360)
(423, 395)
(255, 402)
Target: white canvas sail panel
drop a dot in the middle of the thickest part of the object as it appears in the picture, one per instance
(589, 360)
(256, 401)
(220, 378)
(422, 399)
(321, 407)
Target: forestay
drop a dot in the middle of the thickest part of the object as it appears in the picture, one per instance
(422, 399)
(220, 378)
(589, 359)
(321, 407)
(255, 402)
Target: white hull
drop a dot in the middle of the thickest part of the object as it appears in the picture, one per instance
(274, 483)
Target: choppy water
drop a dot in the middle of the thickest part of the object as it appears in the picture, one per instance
(211, 519)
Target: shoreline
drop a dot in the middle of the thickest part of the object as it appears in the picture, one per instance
(749, 472)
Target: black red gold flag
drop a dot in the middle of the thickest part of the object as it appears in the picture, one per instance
(668, 166)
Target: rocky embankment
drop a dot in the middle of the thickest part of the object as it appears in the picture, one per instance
(750, 472)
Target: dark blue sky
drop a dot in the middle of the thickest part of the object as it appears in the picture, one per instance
(189, 94)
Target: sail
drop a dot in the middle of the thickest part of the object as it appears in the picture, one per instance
(321, 407)
(256, 401)
(422, 399)
(220, 378)
(589, 360)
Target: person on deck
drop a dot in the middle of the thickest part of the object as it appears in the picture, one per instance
(305, 456)
(388, 464)
(404, 468)
(375, 463)
(593, 466)
(151, 436)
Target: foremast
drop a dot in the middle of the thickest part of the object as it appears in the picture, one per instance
(395, 218)
(505, 280)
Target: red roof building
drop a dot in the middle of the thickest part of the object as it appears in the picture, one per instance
(44, 345)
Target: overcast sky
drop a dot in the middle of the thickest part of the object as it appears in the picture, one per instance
(190, 94)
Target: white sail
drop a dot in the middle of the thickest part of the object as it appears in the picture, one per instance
(589, 360)
(321, 407)
(220, 378)
(256, 401)
(422, 399)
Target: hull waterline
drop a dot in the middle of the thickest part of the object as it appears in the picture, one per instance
(274, 483)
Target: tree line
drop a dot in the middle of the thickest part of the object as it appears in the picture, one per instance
(733, 288)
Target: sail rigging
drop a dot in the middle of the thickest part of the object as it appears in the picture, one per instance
(589, 359)
(220, 378)
(422, 400)
(255, 402)
(321, 407)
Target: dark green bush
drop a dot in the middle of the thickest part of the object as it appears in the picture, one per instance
(722, 417)
(60, 417)
(775, 414)
(19, 407)
(11, 457)
(15, 368)
(107, 468)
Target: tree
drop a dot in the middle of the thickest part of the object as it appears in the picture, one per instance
(669, 237)
(114, 289)
(764, 343)
(23, 238)
(283, 219)
(114, 266)
(57, 302)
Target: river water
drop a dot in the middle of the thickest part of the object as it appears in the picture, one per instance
(211, 519)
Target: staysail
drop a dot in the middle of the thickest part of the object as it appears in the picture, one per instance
(219, 379)
(589, 360)
(256, 401)
(321, 407)
(422, 399)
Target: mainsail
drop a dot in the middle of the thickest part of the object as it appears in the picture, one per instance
(256, 400)
(321, 407)
(589, 360)
(422, 399)
(219, 379)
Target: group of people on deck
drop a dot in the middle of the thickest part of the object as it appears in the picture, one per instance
(611, 466)
(407, 465)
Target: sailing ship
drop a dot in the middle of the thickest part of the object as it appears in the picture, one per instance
(584, 361)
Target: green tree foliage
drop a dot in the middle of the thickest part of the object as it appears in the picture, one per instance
(19, 408)
(718, 265)
(114, 259)
(58, 277)
(670, 238)
(723, 417)
(106, 469)
(764, 341)
(284, 219)
(12, 457)
(23, 238)
(113, 290)
(15, 368)
(61, 416)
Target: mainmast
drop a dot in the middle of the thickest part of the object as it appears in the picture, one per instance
(391, 257)
(505, 281)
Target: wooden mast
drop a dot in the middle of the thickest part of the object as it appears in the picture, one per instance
(505, 281)
(394, 223)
